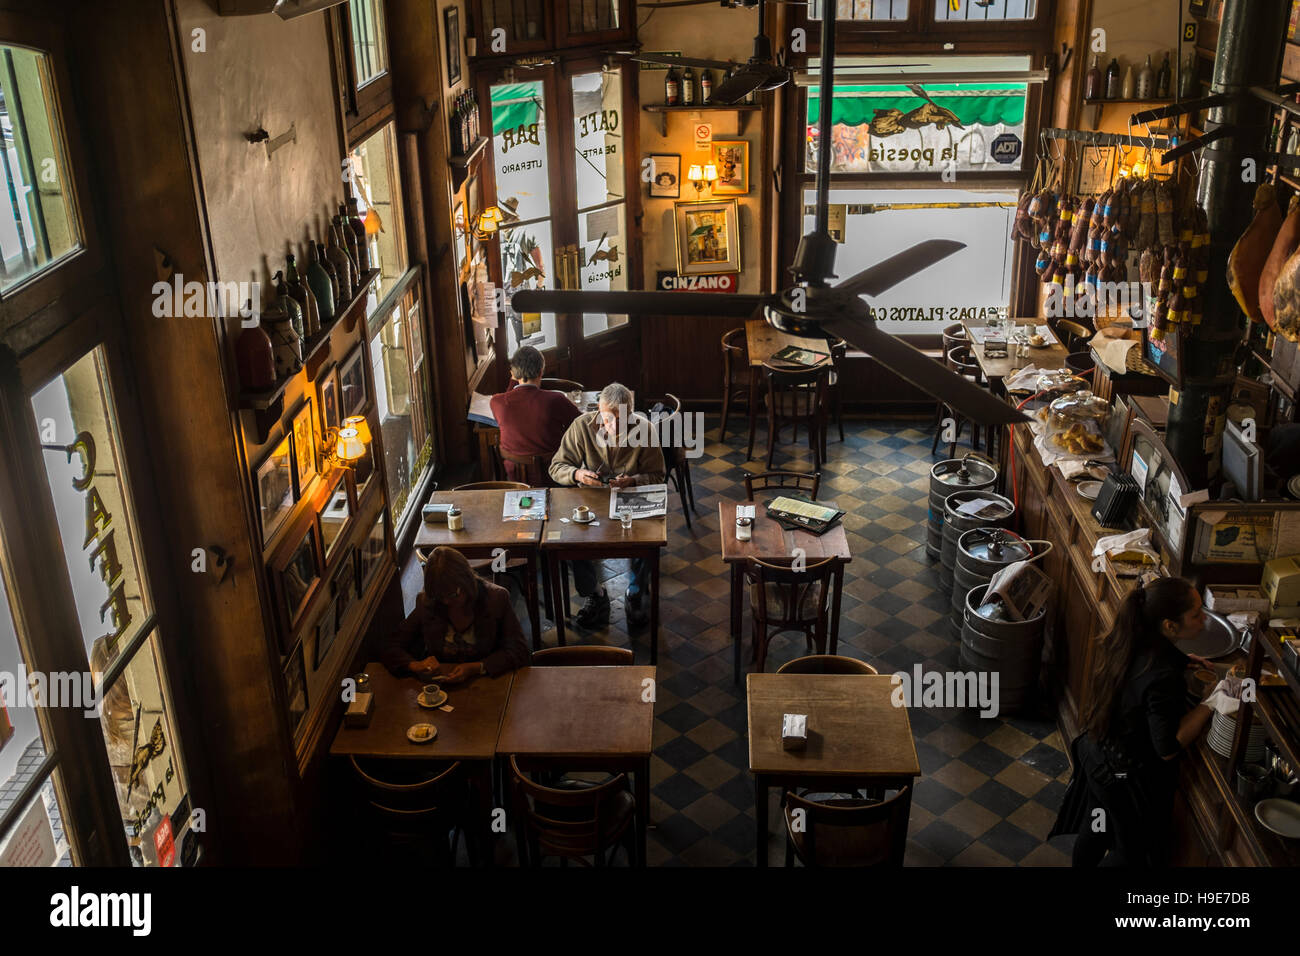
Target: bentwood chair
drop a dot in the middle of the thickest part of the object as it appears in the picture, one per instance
(960, 361)
(584, 655)
(493, 486)
(808, 483)
(533, 470)
(573, 824)
(839, 351)
(783, 599)
(411, 806)
(826, 664)
(562, 385)
(1075, 336)
(666, 416)
(847, 832)
(738, 379)
(796, 397)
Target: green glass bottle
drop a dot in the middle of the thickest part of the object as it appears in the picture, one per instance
(318, 279)
(299, 290)
(290, 305)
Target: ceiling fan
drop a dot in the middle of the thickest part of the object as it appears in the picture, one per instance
(811, 307)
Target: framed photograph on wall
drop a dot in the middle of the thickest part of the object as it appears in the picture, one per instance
(274, 487)
(295, 689)
(731, 157)
(344, 584)
(335, 515)
(296, 580)
(327, 393)
(352, 383)
(373, 550)
(460, 233)
(451, 34)
(327, 629)
(304, 447)
(708, 237)
(665, 176)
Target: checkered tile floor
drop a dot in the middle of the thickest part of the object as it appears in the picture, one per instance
(989, 789)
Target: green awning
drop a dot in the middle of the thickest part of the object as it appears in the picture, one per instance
(515, 105)
(857, 105)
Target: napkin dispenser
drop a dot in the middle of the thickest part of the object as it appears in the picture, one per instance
(1281, 585)
(794, 731)
(436, 514)
(359, 711)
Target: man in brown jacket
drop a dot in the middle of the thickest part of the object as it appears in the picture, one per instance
(596, 453)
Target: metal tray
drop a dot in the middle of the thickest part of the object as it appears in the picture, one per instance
(1218, 638)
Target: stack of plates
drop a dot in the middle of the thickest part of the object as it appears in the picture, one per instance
(1222, 730)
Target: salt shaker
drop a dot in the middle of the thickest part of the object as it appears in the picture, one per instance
(454, 520)
(744, 529)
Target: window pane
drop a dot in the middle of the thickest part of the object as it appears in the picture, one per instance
(519, 149)
(604, 258)
(376, 182)
(591, 16)
(38, 224)
(521, 19)
(22, 743)
(88, 482)
(863, 9)
(978, 11)
(526, 256)
(145, 758)
(369, 51)
(38, 837)
(407, 444)
(970, 284)
(598, 137)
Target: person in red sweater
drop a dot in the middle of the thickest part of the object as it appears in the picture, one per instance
(532, 420)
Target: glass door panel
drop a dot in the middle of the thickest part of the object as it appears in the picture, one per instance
(603, 248)
(37, 836)
(592, 16)
(526, 257)
(597, 99)
(88, 482)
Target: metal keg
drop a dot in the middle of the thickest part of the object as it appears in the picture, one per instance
(954, 474)
(1011, 649)
(982, 553)
(996, 514)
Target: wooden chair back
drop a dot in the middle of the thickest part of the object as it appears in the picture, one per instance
(735, 357)
(807, 482)
(1073, 335)
(584, 655)
(826, 664)
(562, 385)
(404, 807)
(567, 823)
(536, 469)
(793, 588)
(798, 393)
(493, 486)
(849, 832)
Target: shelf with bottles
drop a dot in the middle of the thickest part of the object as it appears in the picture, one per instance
(743, 109)
(462, 163)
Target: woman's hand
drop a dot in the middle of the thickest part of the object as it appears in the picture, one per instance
(426, 668)
(585, 476)
(463, 672)
(1195, 660)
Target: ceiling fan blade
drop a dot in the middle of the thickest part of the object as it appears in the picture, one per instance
(638, 303)
(886, 274)
(965, 397)
(682, 61)
(737, 86)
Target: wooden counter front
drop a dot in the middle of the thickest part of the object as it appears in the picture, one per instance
(1210, 826)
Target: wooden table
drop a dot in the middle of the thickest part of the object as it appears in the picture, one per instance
(856, 737)
(584, 718)
(996, 370)
(770, 541)
(486, 531)
(468, 733)
(763, 340)
(570, 541)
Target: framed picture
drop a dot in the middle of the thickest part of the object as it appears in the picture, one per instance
(352, 383)
(327, 393)
(336, 514)
(708, 237)
(460, 234)
(344, 584)
(373, 550)
(304, 447)
(731, 157)
(451, 34)
(297, 578)
(665, 176)
(275, 496)
(327, 628)
(295, 688)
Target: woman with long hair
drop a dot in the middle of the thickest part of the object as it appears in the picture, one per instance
(1134, 726)
(462, 626)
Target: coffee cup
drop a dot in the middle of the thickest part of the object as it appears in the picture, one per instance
(582, 513)
(431, 691)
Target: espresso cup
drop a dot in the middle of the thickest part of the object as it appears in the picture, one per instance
(581, 513)
(431, 691)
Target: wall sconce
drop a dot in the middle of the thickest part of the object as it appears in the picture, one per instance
(487, 224)
(347, 444)
(699, 177)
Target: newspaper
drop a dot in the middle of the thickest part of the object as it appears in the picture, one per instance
(802, 509)
(643, 501)
(512, 510)
(1023, 588)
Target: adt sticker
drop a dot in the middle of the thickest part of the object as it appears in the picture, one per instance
(1006, 149)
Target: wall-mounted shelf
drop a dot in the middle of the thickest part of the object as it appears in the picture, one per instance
(462, 163)
(742, 108)
(267, 405)
(1097, 105)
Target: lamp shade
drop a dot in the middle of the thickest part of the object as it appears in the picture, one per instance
(362, 427)
(694, 174)
(349, 446)
(711, 172)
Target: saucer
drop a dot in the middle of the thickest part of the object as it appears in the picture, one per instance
(591, 516)
(421, 733)
(428, 704)
(1279, 815)
(1089, 489)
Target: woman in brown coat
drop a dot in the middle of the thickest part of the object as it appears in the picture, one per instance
(462, 626)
